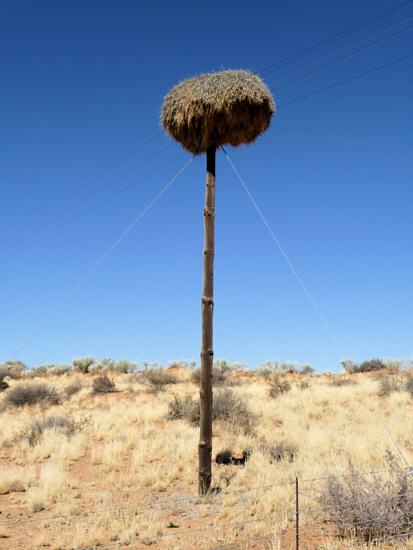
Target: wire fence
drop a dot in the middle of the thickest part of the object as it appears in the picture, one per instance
(306, 515)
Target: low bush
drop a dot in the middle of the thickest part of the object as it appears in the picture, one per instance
(342, 381)
(12, 369)
(219, 378)
(409, 385)
(73, 388)
(35, 431)
(38, 372)
(59, 370)
(307, 369)
(103, 364)
(226, 408)
(277, 367)
(279, 451)
(277, 385)
(124, 366)
(31, 394)
(103, 384)
(370, 507)
(389, 385)
(372, 365)
(157, 379)
(83, 364)
(233, 410)
(184, 408)
(52, 368)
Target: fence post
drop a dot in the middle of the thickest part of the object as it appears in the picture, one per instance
(297, 517)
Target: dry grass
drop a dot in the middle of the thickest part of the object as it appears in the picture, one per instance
(217, 108)
(134, 465)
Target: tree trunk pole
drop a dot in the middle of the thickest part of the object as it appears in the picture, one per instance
(207, 353)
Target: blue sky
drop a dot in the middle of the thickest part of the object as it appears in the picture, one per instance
(82, 155)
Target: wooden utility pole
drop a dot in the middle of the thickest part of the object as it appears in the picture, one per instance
(207, 352)
(202, 114)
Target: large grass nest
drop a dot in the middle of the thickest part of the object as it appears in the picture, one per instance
(214, 109)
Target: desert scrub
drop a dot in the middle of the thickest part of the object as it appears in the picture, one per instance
(31, 394)
(340, 381)
(73, 388)
(277, 385)
(103, 384)
(157, 378)
(183, 408)
(12, 369)
(389, 385)
(279, 451)
(370, 507)
(219, 377)
(227, 408)
(83, 364)
(408, 385)
(34, 432)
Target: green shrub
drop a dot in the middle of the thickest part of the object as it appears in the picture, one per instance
(59, 370)
(103, 384)
(51, 368)
(12, 369)
(31, 394)
(83, 364)
(124, 366)
(103, 364)
(307, 369)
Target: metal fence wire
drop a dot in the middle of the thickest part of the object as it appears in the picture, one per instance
(308, 509)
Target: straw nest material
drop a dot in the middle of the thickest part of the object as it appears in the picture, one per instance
(213, 109)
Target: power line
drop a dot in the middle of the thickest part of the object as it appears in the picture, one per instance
(353, 51)
(40, 213)
(330, 39)
(349, 79)
(72, 290)
(279, 246)
(69, 218)
(345, 139)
